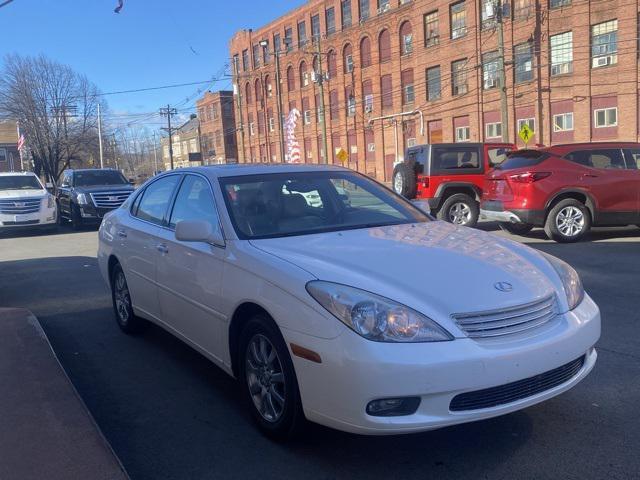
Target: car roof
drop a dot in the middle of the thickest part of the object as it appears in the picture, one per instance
(240, 169)
(15, 174)
(91, 170)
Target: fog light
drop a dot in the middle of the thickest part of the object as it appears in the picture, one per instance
(393, 407)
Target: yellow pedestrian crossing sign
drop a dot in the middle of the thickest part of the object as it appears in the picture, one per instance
(525, 133)
(342, 154)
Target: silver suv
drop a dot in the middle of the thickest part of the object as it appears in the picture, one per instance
(25, 202)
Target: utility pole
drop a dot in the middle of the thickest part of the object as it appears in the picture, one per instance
(168, 112)
(320, 80)
(155, 154)
(504, 106)
(100, 136)
(279, 105)
(239, 98)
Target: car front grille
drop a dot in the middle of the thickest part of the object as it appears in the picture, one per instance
(511, 392)
(20, 206)
(494, 323)
(18, 224)
(109, 200)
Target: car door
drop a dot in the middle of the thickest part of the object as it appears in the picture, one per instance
(63, 193)
(189, 274)
(139, 242)
(632, 160)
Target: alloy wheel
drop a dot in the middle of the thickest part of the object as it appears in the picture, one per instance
(398, 183)
(122, 297)
(459, 213)
(570, 221)
(265, 378)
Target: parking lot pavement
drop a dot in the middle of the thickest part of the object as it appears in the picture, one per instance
(170, 414)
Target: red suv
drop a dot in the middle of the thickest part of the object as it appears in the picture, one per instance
(449, 176)
(565, 189)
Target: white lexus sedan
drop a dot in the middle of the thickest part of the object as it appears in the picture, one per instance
(355, 310)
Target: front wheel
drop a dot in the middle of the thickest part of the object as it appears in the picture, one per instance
(268, 379)
(76, 217)
(516, 228)
(460, 209)
(568, 221)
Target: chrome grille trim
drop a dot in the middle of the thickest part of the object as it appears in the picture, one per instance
(109, 199)
(506, 321)
(20, 206)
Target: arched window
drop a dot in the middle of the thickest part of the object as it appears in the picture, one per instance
(247, 92)
(267, 86)
(304, 74)
(365, 52)
(316, 67)
(334, 109)
(384, 46)
(291, 79)
(347, 58)
(332, 64)
(258, 89)
(406, 38)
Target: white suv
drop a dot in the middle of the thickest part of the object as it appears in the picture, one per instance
(24, 202)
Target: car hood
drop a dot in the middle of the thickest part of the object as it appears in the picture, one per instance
(31, 193)
(104, 188)
(434, 267)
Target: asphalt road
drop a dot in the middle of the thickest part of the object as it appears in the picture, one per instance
(169, 414)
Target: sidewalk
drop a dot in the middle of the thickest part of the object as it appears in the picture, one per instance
(45, 429)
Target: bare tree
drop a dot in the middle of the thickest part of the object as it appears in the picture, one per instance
(56, 108)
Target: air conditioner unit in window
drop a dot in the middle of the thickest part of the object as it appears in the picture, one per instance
(411, 142)
(368, 108)
(490, 83)
(384, 8)
(602, 61)
(371, 147)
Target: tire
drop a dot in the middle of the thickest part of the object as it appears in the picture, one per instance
(62, 221)
(121, 298)
(404, 180)
(76, 218)
(460, 209)
(516, 228)
(270, 389)
(568, 221)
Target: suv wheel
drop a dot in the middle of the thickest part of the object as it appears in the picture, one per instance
(268, 379)
(76, 218)
(121, 298)
(404, 180)
(568, 221)
(516, 228)
(460, 209)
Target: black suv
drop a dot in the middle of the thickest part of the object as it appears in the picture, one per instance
(84, 196)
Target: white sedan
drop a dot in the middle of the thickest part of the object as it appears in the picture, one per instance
(366, 316)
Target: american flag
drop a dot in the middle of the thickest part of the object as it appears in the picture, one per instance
(119, 7)
(21, 143)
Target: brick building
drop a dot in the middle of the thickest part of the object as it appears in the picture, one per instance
(218, 127)
(571, 74)
(9, 156)
(186, 146)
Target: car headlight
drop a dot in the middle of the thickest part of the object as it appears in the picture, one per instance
(50, 201)
(570, 280)
(82, 199)
(374, 317)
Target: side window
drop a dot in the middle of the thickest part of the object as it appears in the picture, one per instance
(136, 204)
(194, 202)
(155, 199)
(497, 155)
(66, 180)
(632, 156)
(459, 158)
(607, 159)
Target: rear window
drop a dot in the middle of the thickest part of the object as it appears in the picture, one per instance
(523, 159)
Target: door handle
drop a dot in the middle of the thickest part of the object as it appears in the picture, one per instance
(162, 248)
(589, 175)
(121, 233)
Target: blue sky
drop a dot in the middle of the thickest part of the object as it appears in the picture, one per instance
(150, 43)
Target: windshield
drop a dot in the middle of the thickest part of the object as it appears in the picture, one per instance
(20, 182)
(279, 205)
(98, 177)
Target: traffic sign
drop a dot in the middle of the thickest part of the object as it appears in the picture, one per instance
(525, 133)
(342, 155)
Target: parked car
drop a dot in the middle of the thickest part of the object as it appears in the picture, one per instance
(449, 176)
(84, 196)
(566, 189)
(25, 202)
(326, 313)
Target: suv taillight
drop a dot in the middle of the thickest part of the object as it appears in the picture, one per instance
(528, 177)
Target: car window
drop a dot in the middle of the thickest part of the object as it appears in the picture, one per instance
(606, 159)
(458, 158)
(88, 178)
(20, 182)
(497, 155)
(66, 180)
(194, 201)
(155, 199)
(522, 158)
(632, 156)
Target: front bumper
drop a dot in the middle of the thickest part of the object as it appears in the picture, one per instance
(45, 217)
(90, 212)
(355, 371)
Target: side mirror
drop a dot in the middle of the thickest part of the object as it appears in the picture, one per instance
(132, 181)
(422, 205)
(198, 231)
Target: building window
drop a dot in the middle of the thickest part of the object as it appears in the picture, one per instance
(458, 20)
(302, 34)
(383, 6)
(408, 91)
(277, 43)
(272, 123)
(604, 44)
(431, 29)
(346, 13)
(559, 3)
(561, 53)
(522, 9)
(256, 56)
(193, 147)
(365, 52)
(214, 112)
(384, 46)
(304, 74)
(364, 9)
(291, 79)
(315, 28)
(307, 117)
(523, 58)
(288, 39)
(463, 134)
(563, 122)
(245, 60)
(433, 83)
(368, 103)
(348, 58)
(459, 77)
(493, 130)
(332, 63)
(605, 117)
(406, 38)
(529, 122)
(334, 108)
(330, 19)
(386, 90)
(490, 78)
(488, 14)
(265, 53)
(351, 102)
